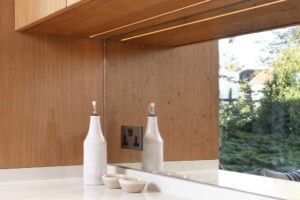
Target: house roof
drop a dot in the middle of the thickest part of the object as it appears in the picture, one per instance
(249, 74)
(262, 77)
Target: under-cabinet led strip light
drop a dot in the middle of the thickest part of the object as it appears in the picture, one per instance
(150, 18)
(203, 20)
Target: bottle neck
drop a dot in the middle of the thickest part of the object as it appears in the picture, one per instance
(152, 126)
(94, 122)
(95, 128)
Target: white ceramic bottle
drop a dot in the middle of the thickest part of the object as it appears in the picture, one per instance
(94, 152)
(152, 154)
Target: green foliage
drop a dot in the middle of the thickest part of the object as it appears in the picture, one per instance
(266, 134)
(247, 152)
(292, 96)
(230, 63)
(237, 115)
(278, 111)
(288, 39)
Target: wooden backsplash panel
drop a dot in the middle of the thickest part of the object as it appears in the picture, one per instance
(46, 86)
(183, 82)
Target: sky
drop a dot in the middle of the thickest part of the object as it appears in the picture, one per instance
(248, 50)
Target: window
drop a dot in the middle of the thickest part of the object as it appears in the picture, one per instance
(259, 81)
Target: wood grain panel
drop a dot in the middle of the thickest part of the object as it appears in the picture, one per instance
(264, 18)
(29, 11)
(183, 82)
(71, 2)
(144, 17)
(184, 12)
(46, 87)
(95, 16)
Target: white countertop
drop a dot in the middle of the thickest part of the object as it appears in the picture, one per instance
(207, 172)
(246, 182)
(70, 188)
(65, 183)
(180, 166)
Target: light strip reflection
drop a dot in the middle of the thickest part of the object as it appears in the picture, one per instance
(150, 18)
(203, 20)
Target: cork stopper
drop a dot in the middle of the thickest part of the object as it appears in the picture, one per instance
(152, 109)
(94, 113)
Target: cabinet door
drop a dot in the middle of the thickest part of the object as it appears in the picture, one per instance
(71, 2)
(29, 11)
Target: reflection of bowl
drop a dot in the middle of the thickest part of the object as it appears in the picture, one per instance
(132, 185)
(112, 180)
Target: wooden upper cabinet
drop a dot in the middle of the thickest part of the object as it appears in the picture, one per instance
(105, 18)
(71, 2)
(30, 11)
(155, 22)
(228, 20)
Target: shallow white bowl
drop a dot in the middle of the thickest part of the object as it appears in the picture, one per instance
(132, 185)
(112, 180)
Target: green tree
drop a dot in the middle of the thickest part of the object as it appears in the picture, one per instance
(288, 38)
(279, 112)
(274, 143)
(237, 115)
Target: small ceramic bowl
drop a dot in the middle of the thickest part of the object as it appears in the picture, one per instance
(112, 180)
(132, 185)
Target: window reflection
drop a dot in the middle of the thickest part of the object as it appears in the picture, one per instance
(259, 81)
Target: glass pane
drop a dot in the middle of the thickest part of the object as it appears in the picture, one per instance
(259, 81)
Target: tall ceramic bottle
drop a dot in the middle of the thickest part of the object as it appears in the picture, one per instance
(94, 152)
(152, 154)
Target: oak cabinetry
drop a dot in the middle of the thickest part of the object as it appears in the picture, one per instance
(29, 11)
(46, 85)
(71, 2)
(86, 18)
(154, 22)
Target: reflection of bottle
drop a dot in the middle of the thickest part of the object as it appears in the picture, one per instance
(152, 154)
(95, 152)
